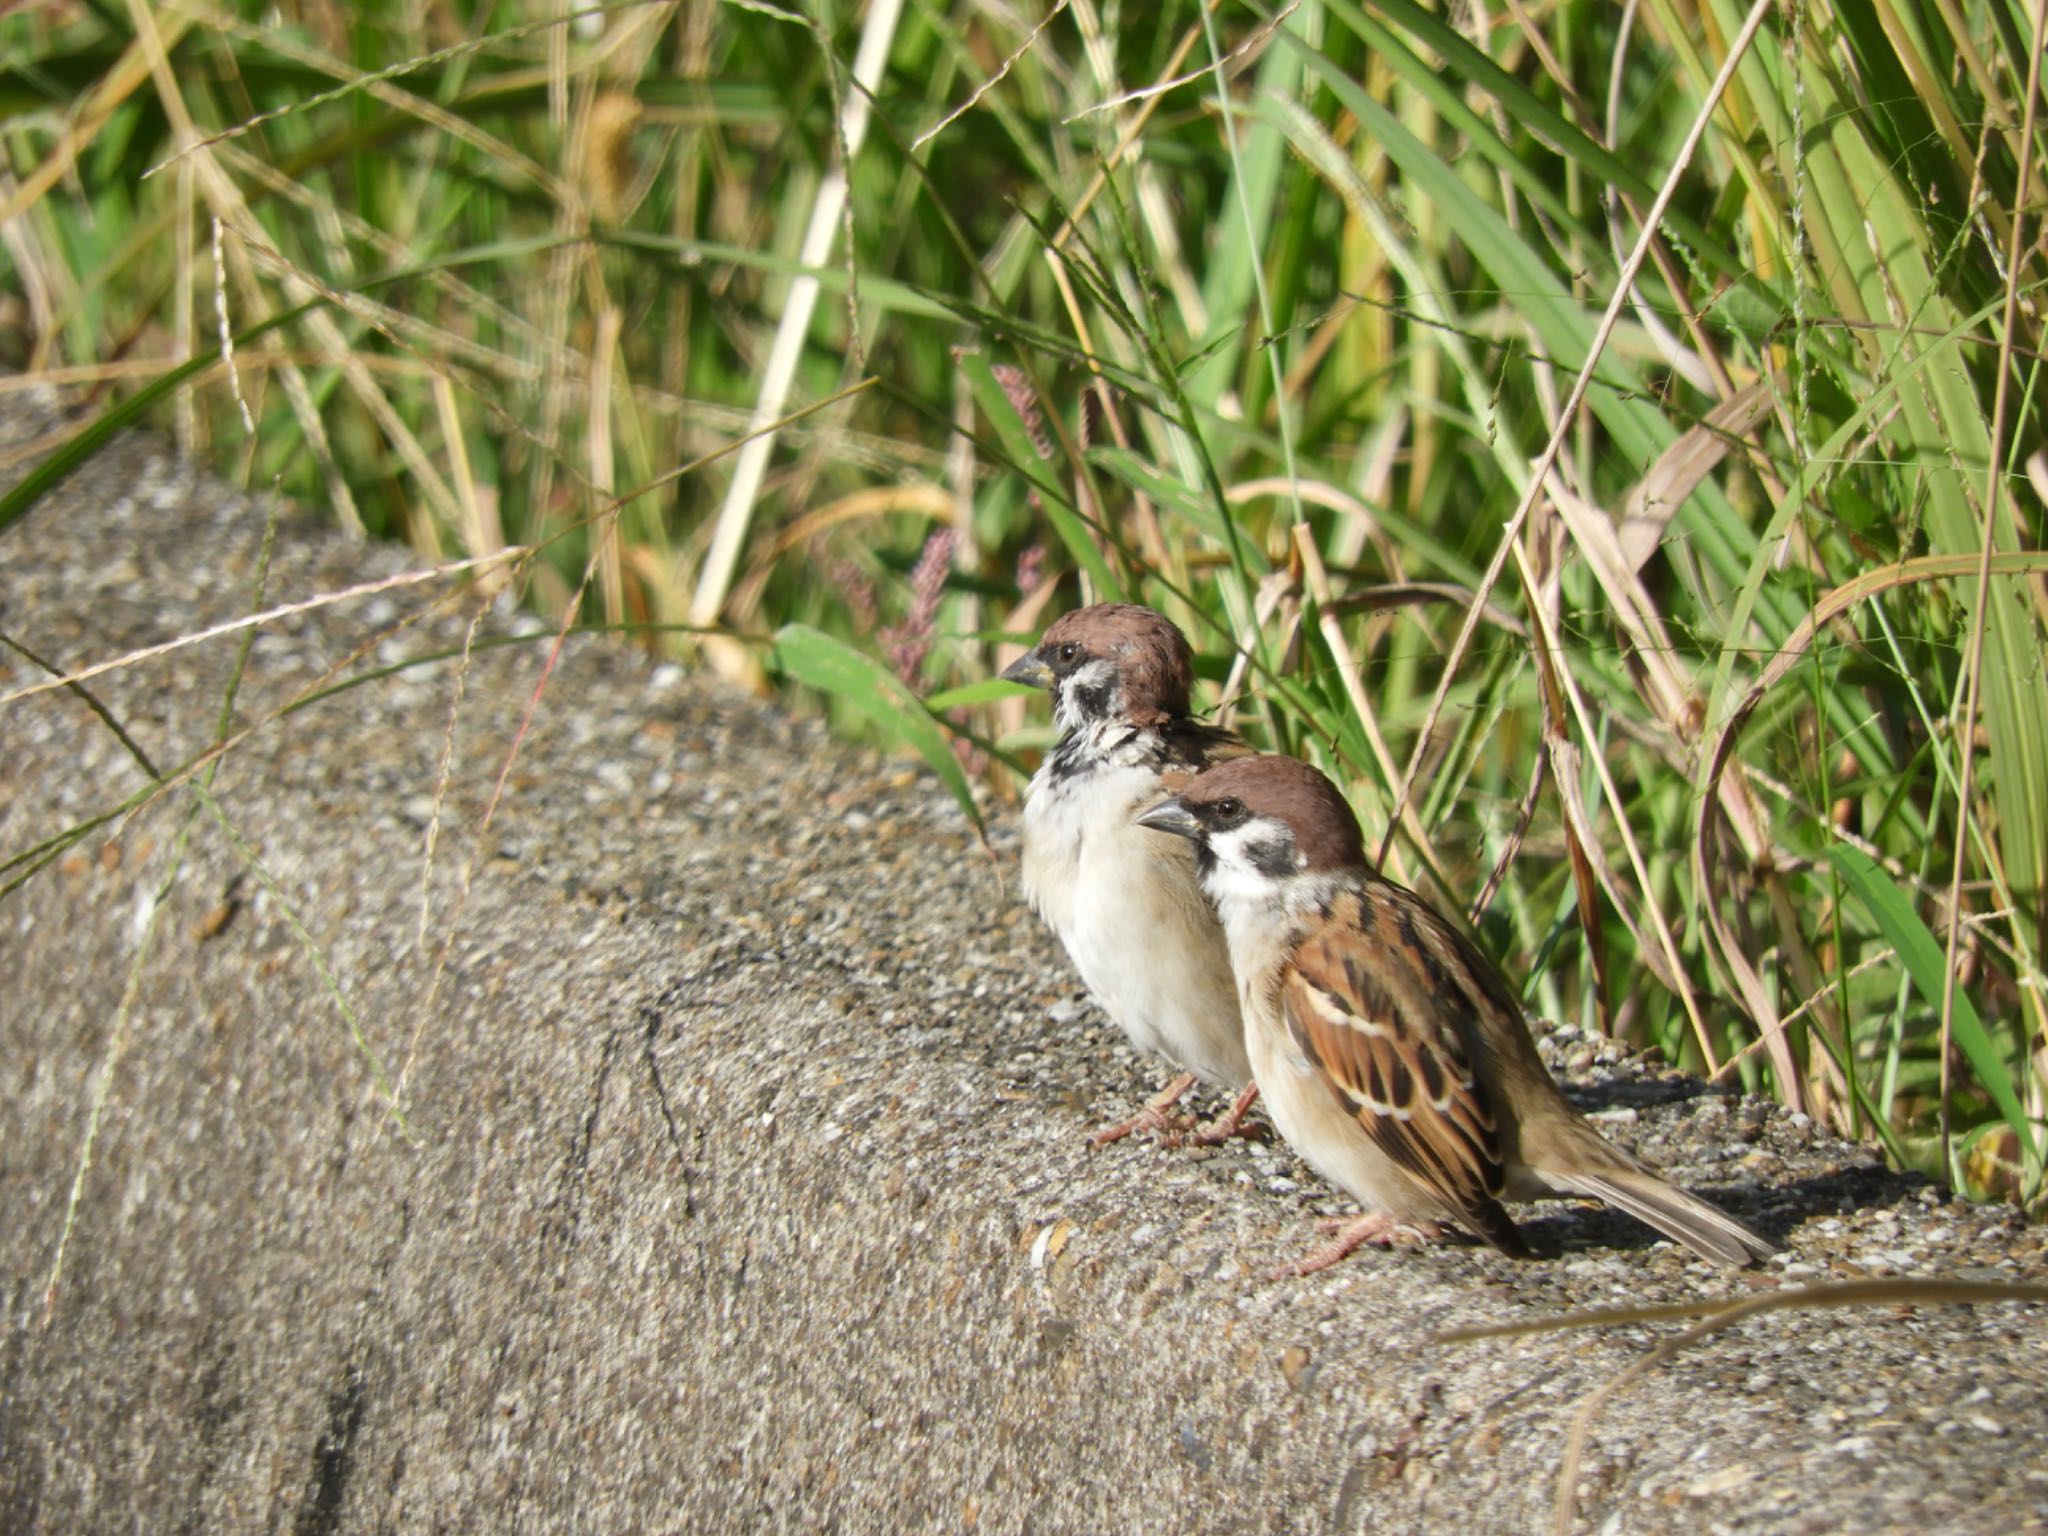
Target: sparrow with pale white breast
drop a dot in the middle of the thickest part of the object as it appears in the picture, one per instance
(1124, 902)
(1388, 1051)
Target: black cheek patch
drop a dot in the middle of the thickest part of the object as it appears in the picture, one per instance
(1093, 699)
(1272, 857)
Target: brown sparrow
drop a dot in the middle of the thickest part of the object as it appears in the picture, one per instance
(1389, 1053)
(1135, 923)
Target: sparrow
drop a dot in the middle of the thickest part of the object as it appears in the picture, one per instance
(1133, 919)
(1389, 1053)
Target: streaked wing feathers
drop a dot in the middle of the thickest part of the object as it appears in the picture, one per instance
(1367, 1003)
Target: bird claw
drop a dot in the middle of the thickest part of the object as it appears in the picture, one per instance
(1146, 1119)
(1216, 1133)
(1379, 1228)
(1231, 1124)
(1153, 1117)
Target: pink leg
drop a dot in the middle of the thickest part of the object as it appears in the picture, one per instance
(1353, 1233)
(1152, 1117)
(1220, 1131)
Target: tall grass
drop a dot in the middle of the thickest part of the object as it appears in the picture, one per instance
(1719, 697)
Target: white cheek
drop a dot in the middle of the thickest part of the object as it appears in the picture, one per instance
(1261, 911)
(1234, 880)
(1233, 885)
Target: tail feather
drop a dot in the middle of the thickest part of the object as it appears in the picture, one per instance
(1705, 1229)
(1490, 1221)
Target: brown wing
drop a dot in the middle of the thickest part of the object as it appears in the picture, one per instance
(1369, 998)
(1191, 746)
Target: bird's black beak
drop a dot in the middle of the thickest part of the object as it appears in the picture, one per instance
(1029, 668)
(1171, 816)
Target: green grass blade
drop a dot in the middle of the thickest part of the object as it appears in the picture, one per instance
(987, 691)
(831, 666)
(1025, 459)
(96, 434)
(1920, 953)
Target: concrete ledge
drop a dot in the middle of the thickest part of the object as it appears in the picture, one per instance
(746, 1187)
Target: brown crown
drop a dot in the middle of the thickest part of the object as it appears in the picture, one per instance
(1325, 831)
(1153, 659)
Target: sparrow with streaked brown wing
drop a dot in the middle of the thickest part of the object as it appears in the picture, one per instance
(1135, 924)
(1389, 1053)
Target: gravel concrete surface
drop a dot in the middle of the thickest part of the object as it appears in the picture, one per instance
(742, 1182)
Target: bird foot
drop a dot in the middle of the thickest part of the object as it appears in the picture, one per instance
(1231, 1124)
(1153, 1117)
(1353, 1233)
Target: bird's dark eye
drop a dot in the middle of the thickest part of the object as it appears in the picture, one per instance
(1069, 651)
(1230, 810)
